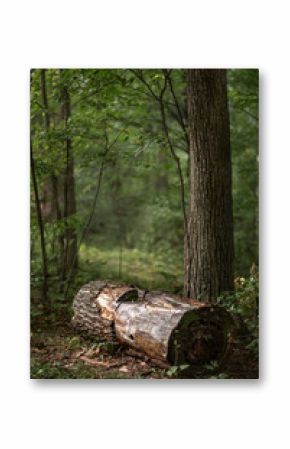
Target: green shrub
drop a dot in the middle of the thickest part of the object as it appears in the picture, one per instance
(244, 303)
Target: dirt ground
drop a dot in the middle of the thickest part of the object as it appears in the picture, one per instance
(57, 352)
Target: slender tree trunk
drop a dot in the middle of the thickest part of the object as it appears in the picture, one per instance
(41, 227)
(119, 211)
(70, 260)
(161, 181)
(210, 223)
(54, 179)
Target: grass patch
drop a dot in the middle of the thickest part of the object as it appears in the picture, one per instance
(148, 270)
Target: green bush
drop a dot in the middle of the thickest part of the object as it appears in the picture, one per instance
(244, 302)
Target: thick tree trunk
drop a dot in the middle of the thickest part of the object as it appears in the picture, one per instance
(161, 325)
(210, 222)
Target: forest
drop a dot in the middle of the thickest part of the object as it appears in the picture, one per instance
(146, 178)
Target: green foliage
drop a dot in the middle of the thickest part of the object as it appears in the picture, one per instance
(244, 302)
(175, 371)
(74, 343)
(149, 270)
(243, 96)
(136, 230)
(54, 370)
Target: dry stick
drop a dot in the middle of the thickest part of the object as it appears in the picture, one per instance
(40, 225)
(90, 217)
(159, 99)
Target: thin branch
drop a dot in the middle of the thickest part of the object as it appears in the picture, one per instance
(249, 114)
(91, 94)
(177, 161)
(139, 75)
(159, 99)
(180, 115)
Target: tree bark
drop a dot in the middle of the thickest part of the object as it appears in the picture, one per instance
(54, 179)
(210, 222)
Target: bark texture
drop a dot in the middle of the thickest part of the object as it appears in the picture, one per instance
(161, 325)
(209, 266)
(94, 307)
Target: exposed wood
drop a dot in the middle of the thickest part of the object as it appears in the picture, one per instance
(163, 326)
(171, 330)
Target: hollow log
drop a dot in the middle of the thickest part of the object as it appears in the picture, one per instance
(163, 326)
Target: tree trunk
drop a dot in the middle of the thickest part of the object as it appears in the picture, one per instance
(40, 225)
(161, 325)
(210, 222)
(70, 261)
(56, 210)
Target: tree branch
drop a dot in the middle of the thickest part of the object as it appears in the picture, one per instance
(180, 116)
(139, 75)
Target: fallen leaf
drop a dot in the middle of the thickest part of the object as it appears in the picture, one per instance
(124, 369)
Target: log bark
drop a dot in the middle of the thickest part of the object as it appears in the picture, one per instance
(163, 326)
(173, 331)
(94, 307)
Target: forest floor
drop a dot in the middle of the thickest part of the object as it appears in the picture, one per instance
(57, 352)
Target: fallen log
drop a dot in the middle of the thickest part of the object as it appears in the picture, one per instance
(163, 326)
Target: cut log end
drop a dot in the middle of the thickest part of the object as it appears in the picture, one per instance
(200, 336)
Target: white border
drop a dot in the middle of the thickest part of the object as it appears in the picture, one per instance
(220, 414)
